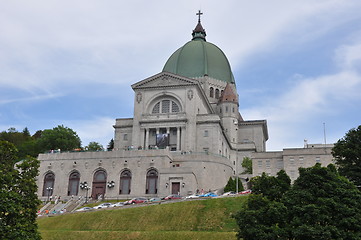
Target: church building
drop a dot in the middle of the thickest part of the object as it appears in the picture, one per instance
(186, 135)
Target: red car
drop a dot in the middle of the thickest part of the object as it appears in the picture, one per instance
(173, 196)
(135, 200)
(245, 192)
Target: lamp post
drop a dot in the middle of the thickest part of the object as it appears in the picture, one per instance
(111, 184)
(235, 122)
(49, 189)
(84, 186)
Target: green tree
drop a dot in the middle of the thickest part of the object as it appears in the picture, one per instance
(13, 136)
(347, 153)
(94, 146)
(60, 137)
(26, 132)
(18, 197)
(320, 205)
(323, 205)
(271, 187)
(110, 145)
(247, 165)
(23, 141)
(37, 135)
(231, 185)
(262, 219)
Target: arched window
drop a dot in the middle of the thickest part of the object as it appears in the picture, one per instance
(151, 183)
(211, 92)
(73, 186)
(166, 106)
(48, 187)
(99, 184)
(156, 108)
(217, 93)
(100, 176)
(125, 180)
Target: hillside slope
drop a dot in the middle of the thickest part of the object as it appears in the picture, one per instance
(204, 219)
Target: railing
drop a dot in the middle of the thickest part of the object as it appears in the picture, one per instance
(152, 148)
(198, 153)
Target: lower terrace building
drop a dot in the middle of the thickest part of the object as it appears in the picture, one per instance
(291, 159)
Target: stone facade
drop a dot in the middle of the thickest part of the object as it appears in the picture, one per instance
(200, 153)
(186, 135)
(291, 159)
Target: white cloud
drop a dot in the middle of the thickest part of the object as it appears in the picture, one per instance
(56, 46)
(349, 56)
(306, 101)
(29, 99)
(99, 129)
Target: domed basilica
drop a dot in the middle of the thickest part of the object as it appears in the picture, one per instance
(186, 135)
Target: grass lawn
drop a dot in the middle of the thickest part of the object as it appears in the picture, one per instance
(206, 219)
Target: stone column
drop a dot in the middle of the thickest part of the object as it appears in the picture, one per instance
(178, 139)
(146, 138)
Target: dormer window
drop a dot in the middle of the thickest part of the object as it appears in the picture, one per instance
(211, 92)
(217, 93)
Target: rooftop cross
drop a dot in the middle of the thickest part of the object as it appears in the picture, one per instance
(199, 13)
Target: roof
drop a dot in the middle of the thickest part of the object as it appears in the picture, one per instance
(198, 58)
(228, 95)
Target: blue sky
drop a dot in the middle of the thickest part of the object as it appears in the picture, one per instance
(296, 64)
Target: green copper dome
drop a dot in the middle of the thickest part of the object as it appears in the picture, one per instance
(198, 58)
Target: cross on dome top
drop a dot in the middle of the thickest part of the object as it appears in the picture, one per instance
(199, 13)
(199, 33)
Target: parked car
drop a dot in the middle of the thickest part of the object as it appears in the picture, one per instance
(154, 200)
(83, 209)
(135, 200)
(245, 192)
(192, 196)
(118, 204)
(229, 193)
(172, 197)
(103, 205)
(210, 194)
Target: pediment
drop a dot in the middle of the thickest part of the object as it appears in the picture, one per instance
(164, 80)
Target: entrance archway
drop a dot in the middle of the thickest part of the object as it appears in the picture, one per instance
(73, 186)
(152, 181)
(48, 186)
(125, 181)
(99, 184)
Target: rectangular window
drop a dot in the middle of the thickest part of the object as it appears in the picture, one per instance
(268, 163)
(293, 174)
(259, 163)
(206, 133)
(125, 137)
(280, 164)
(165, 106)
(318, 160)
(292, 161)
(301, 160)
(175, 107)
